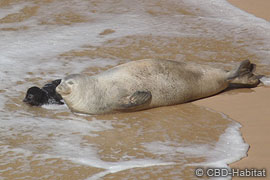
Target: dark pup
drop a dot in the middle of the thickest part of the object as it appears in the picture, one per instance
(46, 95)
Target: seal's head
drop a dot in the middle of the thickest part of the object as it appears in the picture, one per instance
(35, 96)
(67, 85)
(70, 89)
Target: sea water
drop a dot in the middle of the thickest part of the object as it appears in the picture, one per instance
(46, 40)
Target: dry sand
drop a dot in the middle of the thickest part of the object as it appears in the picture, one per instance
(250, 107)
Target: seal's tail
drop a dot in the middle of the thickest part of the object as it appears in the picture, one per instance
(243, 76)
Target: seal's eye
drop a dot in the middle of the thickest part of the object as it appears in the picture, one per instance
(30, 96)
(70, 82)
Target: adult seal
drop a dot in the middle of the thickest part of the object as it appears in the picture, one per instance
(148, 83)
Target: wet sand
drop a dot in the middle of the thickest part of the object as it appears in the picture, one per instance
(250, 107)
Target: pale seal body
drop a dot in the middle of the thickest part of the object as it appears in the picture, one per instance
(149, 83)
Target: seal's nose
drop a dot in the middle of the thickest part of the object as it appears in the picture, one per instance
(63, 89)
(58, 88)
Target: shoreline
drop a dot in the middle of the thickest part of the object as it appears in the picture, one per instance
(249, 107)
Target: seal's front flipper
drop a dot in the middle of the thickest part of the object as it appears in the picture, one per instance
(136, 101)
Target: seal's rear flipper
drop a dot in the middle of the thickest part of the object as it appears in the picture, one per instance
(136, 101)
(243, 76)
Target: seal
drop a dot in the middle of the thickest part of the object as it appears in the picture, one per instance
(149, 83)
(36, 96)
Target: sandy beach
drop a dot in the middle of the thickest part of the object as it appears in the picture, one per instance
(258, 8)
(250, 107)
(46, 40)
